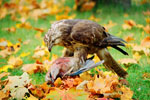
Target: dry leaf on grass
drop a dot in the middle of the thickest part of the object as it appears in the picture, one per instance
(33, 68)
(129, 38)
(17, 86)
(146, 42)
(127, 61)
(147, 29)
(15, 61)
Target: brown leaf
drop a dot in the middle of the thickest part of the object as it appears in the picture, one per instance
(87, 6)
(4, 96)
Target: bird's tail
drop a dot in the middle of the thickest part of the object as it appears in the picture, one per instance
(110, 63)
(113, 42)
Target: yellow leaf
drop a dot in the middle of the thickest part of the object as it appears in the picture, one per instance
(93, 18)
(148, 20)
(5, 68)
(24, 54)
(125, 15)
(136, 56)
(127, 93)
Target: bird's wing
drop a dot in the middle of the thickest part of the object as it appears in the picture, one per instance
(88, 65)
(87, 32)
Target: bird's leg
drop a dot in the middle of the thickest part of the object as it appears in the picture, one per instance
(67, 53)
(80, 55)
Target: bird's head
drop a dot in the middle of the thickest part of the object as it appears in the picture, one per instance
(55, 34)
(52, 75)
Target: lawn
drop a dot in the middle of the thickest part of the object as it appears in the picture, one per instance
(106, 14)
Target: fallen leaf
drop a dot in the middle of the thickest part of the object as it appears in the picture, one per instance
(147, 29)
(126, 93)
(136, 56)
(146, 42)
(17, 86)
(4, 53)
(87, 6)
(147, 20)
(4, 74)
(129, 38)
(58, 82)
(3, 12)
(146, 13)
(6, 67)
(11, 29)
(125, 15)
(26, 42)
(93, 18)
(15, 61)
(24, 54)
(110, 25)
(4, 96)
(127, 61)
(33, 68)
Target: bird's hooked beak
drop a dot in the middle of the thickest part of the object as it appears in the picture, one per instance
(50, 47)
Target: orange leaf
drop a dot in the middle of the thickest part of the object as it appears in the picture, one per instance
(146, 42)
(147, 29)
(129, 38)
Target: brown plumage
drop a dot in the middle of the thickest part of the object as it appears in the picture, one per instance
(83, 37)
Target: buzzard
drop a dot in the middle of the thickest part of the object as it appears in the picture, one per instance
(83, 37)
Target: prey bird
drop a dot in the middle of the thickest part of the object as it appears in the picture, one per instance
(83, 37)
(63, 67)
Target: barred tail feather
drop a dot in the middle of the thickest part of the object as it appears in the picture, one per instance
(110, 63)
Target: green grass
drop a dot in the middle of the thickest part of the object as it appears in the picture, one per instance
(106, 13)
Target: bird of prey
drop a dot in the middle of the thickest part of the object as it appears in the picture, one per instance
(83, 37)
(63, 67)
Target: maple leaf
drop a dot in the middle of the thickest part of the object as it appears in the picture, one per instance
(15, 61)
(17, 86)
(4, 53)
(103, 84)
